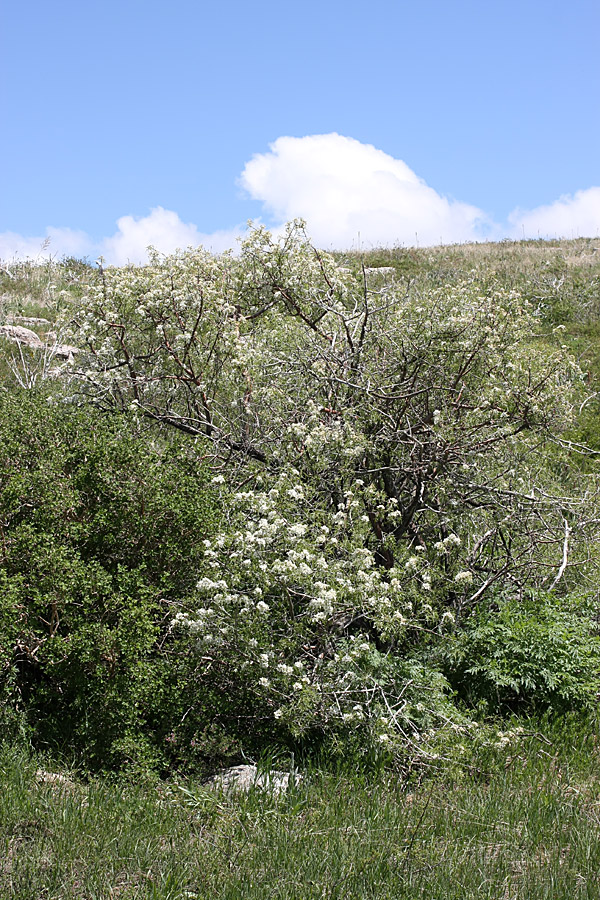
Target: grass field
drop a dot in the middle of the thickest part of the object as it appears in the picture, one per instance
(522, 821)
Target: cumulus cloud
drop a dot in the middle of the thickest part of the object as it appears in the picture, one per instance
(164, 230)
(342, 187)
(161, 228)
(571, 216)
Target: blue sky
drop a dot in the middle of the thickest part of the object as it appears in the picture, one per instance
(130, 121)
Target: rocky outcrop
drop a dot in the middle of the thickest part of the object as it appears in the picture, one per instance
(21, 335)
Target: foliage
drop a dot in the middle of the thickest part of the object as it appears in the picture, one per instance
(381, 448)
(389, 453)
(303, 618)
(101, 532)
(420, 403)
(526, 651)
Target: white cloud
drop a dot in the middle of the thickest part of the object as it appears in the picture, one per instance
(56, 242)
(161, 228)
(571, 216)
(164, 230)
(342, 187)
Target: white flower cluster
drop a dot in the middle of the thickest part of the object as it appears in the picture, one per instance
(464, 577)
(446, 546)
(275, 564)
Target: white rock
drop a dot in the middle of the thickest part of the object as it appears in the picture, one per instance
(242, 778)
(63, 351)
(43, 777)
(21, 335)
(380, 270)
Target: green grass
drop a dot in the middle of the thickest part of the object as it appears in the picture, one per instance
(525, 825)
(42, 289)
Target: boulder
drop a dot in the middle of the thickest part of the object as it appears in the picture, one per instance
(63, 351)
(21, 335)
(243, 778)
(43, 777)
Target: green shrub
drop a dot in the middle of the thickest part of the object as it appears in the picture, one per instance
(102, 530)
(383, 464)
(537, 651)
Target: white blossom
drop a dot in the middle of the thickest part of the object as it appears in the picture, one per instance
(465, 577)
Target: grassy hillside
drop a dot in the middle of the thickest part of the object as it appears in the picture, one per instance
(338, 512)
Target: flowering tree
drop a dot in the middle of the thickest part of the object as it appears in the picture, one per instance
(380, 451)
